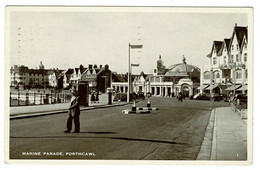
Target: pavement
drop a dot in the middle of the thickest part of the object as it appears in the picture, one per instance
(47, 109)
(225, 137)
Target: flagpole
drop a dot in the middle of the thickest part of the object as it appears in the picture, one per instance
(128, 90)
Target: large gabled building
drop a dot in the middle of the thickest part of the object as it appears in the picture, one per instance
(228, 69)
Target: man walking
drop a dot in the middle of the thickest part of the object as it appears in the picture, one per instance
(74, 113)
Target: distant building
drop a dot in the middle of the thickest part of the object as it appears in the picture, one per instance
(24, 77)
(228, 69)
(53, 78)
(19, 75)
(99, 78)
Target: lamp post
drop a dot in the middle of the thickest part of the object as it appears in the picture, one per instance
(211, 81)
(129, 68)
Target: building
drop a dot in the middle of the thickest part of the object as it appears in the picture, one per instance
(99, 78)
(227, 69)
(53, 78)
(181, 77)
(22, 76)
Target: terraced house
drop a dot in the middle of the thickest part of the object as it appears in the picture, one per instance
(228, 67)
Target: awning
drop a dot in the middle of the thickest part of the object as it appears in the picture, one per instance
(202, 87)
(211, 87)
(243, 88)
(233, 87)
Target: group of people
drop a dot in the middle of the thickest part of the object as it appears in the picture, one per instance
(94, 97)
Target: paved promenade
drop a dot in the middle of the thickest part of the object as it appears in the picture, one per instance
(229, 137)
(225, 138)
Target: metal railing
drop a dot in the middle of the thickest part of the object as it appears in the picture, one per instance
(27, 98)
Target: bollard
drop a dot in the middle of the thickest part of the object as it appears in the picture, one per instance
(148, 102)
(134, 107)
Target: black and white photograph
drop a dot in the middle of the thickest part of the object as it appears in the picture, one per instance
(129, 84)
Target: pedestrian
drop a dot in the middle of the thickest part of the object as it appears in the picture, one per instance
(92, 97)
(97, 97)
(74, 113)
(180, 97)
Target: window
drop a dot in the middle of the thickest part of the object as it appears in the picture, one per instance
(245, 57)
(232, 58)
(217, 76)
(207, 75)
(214, 60)
(237, 47)
(238, 74)
(246, 74)
(237, 58)
(232, 47)
(225, 59)
(245, 46)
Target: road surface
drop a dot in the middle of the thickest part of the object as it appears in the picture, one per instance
(174, 132)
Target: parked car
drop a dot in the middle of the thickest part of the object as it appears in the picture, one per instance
(201, 96)
(241, 97)
(219, 97)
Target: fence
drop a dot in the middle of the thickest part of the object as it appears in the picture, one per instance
(26, 98)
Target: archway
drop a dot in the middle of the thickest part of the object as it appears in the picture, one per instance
(186, 91)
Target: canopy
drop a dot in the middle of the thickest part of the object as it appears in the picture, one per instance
(233, 87)
(243, 88)
(203, 86)
(211, 87)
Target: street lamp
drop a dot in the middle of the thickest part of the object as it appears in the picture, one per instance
(129, 68)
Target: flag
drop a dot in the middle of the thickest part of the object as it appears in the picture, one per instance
(135, 65)
(135, 46)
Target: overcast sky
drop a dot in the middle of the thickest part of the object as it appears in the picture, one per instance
(66, 39)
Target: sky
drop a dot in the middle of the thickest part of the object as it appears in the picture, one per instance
(66, 39)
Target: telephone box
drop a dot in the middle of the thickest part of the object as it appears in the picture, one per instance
(83, 92)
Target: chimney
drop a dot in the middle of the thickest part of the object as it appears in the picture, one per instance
(106, 67)
(95, 66)
(100, 66)
(90, 66)
(235, 24)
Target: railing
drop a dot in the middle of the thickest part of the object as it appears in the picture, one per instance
(25, 98)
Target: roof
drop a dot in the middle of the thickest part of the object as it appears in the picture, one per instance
(68, 73)
(227, 42)
(218, 47)
(182, 69)
(119, 77)
(240, 33)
